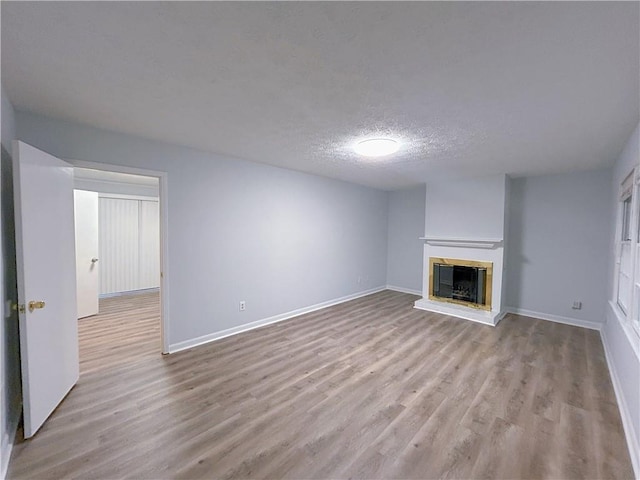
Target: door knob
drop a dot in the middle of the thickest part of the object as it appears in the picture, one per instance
(94, 260)
(35, 304)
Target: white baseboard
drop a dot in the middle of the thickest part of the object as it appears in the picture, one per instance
(5, 455)
(556, 318)
(627, 423)
(177, 347)
(130, 292)
(404, 290)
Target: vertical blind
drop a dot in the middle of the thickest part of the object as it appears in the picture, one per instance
(129, 236)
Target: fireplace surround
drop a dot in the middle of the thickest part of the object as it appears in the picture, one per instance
(466, 219)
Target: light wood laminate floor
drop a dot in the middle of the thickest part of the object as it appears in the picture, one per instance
(371, 388)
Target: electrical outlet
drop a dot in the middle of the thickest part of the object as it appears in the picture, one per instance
(359, 279)
(577, 305)
(243, 305)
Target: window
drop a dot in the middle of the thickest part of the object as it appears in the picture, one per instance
(635, 317)
(628, 250)
(625, 253)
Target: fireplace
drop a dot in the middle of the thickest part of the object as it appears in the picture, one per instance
(463, 282)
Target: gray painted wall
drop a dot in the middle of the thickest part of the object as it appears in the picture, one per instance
(559, 243)
(11, 400)
(279, 239)
(404, 252)
(623, 344)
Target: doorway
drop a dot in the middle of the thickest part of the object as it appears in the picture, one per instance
(46, 277)
(120, 216)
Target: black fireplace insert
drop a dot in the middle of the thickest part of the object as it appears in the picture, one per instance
(464, 284)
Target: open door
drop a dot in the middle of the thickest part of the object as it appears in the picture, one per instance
(87, 274)
(45, 248)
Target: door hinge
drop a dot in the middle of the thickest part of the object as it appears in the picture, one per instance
(19, 307)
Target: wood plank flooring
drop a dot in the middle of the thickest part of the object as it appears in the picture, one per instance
(128, 327)
(370, 388)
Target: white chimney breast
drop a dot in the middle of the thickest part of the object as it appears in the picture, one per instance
(465, 219)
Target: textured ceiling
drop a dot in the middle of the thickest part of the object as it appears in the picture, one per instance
(470, 88)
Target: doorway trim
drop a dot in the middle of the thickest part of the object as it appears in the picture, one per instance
(163, 184)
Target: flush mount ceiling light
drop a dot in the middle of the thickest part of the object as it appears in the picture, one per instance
(376, 147)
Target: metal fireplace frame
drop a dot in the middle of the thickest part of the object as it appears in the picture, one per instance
(463, 263)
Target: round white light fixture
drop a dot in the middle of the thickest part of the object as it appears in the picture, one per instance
(377, 147)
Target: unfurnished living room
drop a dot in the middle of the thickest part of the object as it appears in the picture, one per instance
(320, 240)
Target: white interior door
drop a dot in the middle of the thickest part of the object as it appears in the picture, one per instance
(86, 227)
(45, 248)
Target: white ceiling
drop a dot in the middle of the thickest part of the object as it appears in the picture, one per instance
(470, 88)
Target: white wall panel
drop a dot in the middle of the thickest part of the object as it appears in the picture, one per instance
(118, 245)
(149, 239)
(466, 208)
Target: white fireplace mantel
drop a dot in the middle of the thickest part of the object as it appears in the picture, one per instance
(488, 243)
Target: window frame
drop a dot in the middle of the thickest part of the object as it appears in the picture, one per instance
(635, 225)
(628, 235)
